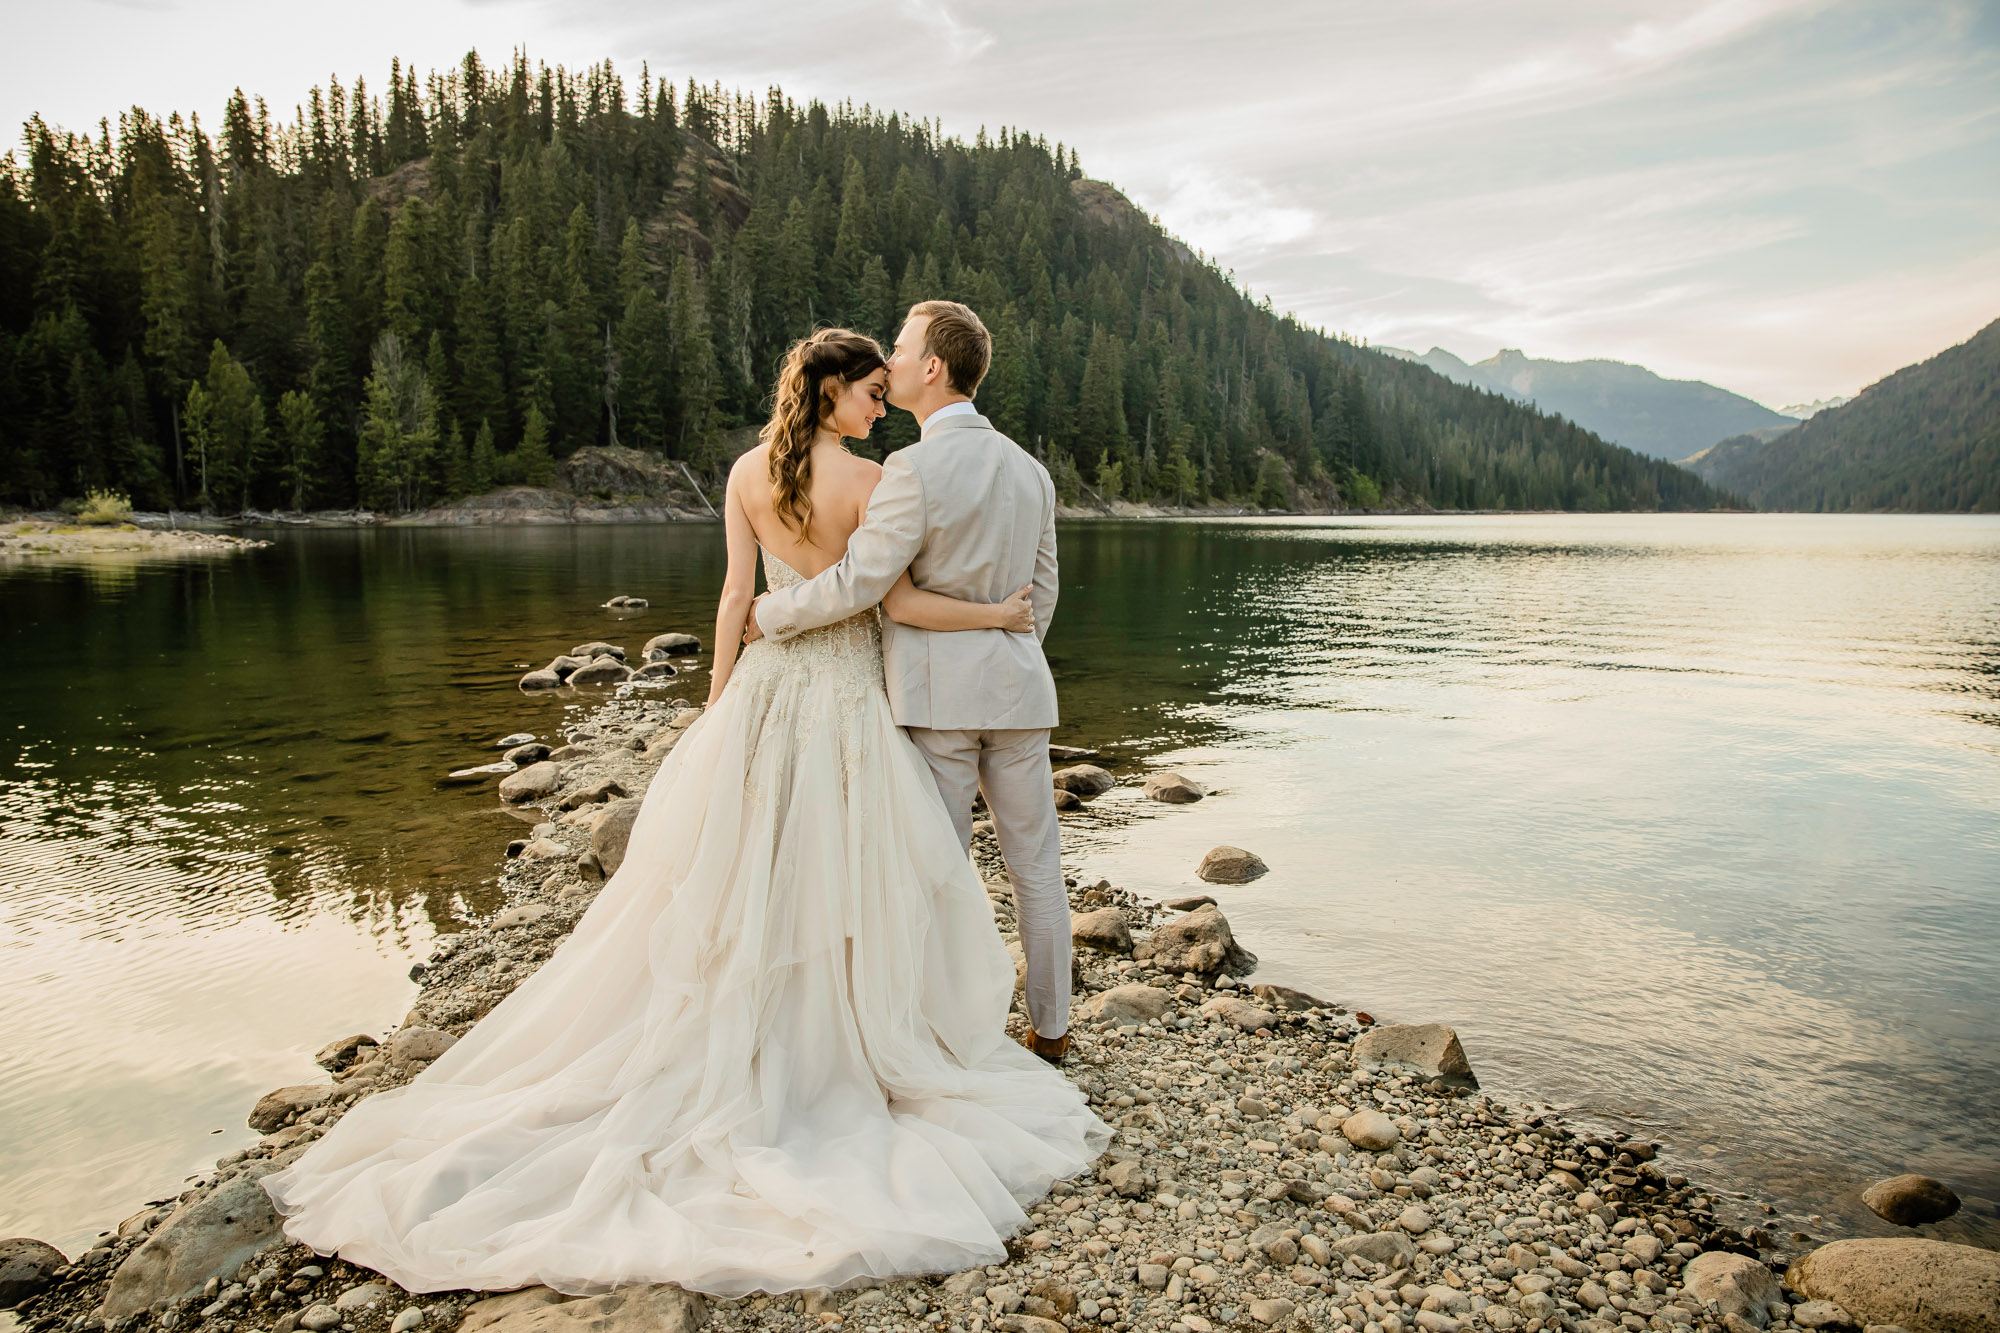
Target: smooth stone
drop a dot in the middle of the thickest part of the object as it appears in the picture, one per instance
(1927, 1286)
(274, 1107)
(1381, 1247)
(602, 671)
(1103, 929)
(543, 849)
(1271, 1310)
(597, 648)
(605, 789)
(564, 754)
(1187, 904)
(527, 914)
(1370, 1130)
(1174, 788)
(362, 1295)
(530, 751)
(406, 1319)
(671, 645)
(414, 1044)
(611, 833)
(1414, 1219)
(1819, 1314)
(1910, 1200)
(1239, 1013)
(1231, 865)
(1084, 780)
(1429, 1047)
(541, 678)
(565, 664)
(502, 767)
(1737, 1284)
(635, 1309)
(509, 742)
(532, 783)
(1199, 942)
(319, 1318)
(27, 1268)
(1134, 1001)
(656, 671)
(1066, 801)
(1069, 754)
(208, 1237)
(1284, 997)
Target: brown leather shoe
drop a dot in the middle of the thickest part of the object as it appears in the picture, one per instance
(1051, 1049)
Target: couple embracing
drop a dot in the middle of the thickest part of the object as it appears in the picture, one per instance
(772, 1055)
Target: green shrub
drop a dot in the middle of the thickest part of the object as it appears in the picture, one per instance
(104, 508)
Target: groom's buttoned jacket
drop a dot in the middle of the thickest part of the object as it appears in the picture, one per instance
(971, 515)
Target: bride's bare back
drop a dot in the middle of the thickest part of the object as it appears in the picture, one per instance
(839, 488)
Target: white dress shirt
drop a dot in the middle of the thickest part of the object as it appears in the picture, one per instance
(963, 407)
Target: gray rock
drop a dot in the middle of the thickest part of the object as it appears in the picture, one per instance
(1736, 1283)
(1927, 1286)
(527, 914)
(532, 783)
(1820, 1314)
(1187, 904)
(543, 849)
(1133, 1002)
(413, 1044)
(564, 754)
(318, 1318)
(1174, 788)
(1380, 1247)
(1274, 1310)
(361, 1296)
(517, 738)
(274, 1107)
(1199, 942)
(1239, 1013)
(209, 1236)
(1069, 754)
(612, 831)
(1084, 780)
(1910, 1200)
(597, 648)
(1284, 997)
(480, 772)
(1231, 865)
(1067, 801)
(602, 671)
(563, 666)
(409, 1317)
(1430, 1047)
(540, 679)
(656, 671)
(529, 752)
(1415, 1219)
(662, 646)
(27, 1268)
(1103, 929)
(606, 789)
(1370, 1131)
(338, 1055)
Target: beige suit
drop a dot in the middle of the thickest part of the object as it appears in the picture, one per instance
(971, 515)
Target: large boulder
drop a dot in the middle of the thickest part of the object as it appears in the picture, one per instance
(602, 671)
(540, 679)
(1231, 865)
(653, 1309)
(1910, 1201)
(27, 1268)
(1738, 1285)
(1103, 929)
(338, 1055)
(1134, 1002)
(612, 831)
(1430, 1047)
(597, 648)
(532, 783)
(662, 646)
(1084, 780)
(1239, 1013)
(208, 1236)
(414, 1044)
(280, 1104)
(530, 752)
(1199, 942)
(1174, 788)
(1927, 1286)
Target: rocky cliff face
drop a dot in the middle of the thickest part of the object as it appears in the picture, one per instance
(600, 484)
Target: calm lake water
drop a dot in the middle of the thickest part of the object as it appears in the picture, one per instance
(1687, 823)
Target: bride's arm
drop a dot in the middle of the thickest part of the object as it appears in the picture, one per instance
(907, 604)
(739, 585)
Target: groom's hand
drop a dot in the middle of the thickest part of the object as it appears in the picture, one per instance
(752, 631)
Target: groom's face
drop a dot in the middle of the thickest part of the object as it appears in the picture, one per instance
(906, 362)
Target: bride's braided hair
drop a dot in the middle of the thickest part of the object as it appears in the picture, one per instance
(824, 357)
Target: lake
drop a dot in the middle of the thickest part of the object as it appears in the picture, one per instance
(1687, 823)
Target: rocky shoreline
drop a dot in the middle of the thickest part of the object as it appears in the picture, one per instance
(1280, 1163)
(47, 535)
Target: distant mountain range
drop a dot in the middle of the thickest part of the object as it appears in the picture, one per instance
(1623, 403)
(1924, 440)
(1814, 408)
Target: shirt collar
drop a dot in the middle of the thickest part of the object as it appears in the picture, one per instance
(962, 407)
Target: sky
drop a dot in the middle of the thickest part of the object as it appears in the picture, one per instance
(1789, 198)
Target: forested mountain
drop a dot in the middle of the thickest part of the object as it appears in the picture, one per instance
(394, 300)
(1924, 440)
(1626, 404)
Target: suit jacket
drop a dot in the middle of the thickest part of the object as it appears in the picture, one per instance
(971, 515)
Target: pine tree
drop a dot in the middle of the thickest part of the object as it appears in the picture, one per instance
(484, 467)
(300, 436)
(536, 465)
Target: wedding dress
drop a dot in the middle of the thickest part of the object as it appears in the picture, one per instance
(771, 1056)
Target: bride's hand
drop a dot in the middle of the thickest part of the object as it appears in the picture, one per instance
(1017, 613)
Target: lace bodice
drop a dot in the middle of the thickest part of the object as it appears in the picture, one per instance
(850, 646)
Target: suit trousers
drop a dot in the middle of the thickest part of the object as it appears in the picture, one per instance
(1012, 767)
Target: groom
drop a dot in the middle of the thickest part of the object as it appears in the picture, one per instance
(971, 515)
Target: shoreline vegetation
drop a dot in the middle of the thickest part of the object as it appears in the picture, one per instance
(1280, 1162)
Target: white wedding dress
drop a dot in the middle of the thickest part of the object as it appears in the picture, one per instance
(771, 1056)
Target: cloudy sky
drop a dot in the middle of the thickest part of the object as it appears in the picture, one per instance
(1790, 198)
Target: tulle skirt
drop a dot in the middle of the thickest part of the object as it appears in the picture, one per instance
(771, 1056)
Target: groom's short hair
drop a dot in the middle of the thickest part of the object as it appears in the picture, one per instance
(957, 338)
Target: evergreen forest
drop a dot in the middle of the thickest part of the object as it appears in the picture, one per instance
(410, 292)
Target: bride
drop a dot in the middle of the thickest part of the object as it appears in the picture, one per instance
(772, 1055)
